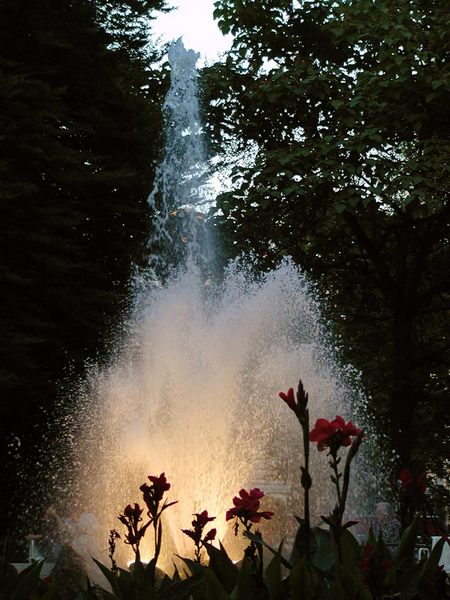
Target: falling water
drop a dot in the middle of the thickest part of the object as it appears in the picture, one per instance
(193, 389)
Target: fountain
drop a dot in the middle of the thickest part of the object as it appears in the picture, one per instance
(192, 388)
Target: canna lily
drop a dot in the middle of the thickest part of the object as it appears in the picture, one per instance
(333, 434)
(247, 505)
(196, 533)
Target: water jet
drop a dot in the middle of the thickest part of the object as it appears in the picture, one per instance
(192, 388)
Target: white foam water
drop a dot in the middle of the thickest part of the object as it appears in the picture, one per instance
(192, 388)
(194, 394)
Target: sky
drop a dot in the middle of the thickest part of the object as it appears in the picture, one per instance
(193, 20)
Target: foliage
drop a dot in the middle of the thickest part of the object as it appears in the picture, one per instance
(20, 587)
(345, 104)
(80, 130)
(139, 584)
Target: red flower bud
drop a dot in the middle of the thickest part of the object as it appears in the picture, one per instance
(289, 398)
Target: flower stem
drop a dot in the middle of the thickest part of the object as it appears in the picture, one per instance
(346, 478)
(334, 465)
(302, 412)
(306, 481)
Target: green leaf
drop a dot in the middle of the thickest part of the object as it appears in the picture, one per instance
(244, 582)
(214, 589)
(425, 584)
(405, 551)
(25, 583)
(112, 579)
(433, 560)
(406, 581)
(339, 207)
(347, 582)
(323, 557)
(300, 581)
(290, 189)
(337, 103)
(176, 573)
(258, 539)
(285, 160)
(428, 590)
(347, 586)
(223, 566)
(181, 589)
(126, 584)
(143, 580)
(299, 548)
(193, 566)
(354, 201)
(380, 548)
(351, 550)
(277, 587)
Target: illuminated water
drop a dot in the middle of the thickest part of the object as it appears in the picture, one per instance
(192, 389)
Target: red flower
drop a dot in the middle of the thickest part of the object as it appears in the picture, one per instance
(131, 517)
(133, 512)
(160, 486)
(210, 536)
(153, 494)
(196, 534)
(348, 430)
(322, 433)
(411, 483)
(333, 434)
(202, 519)
(289, 398)
(198, 524)
(246, 507)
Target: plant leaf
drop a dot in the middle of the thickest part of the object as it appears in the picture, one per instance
(300, 581)
(214, 589)
(277, 587)
(259, 540)
(112, 579)
(243, 585)
(405, 551)
(26, 582)
(223, 566)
